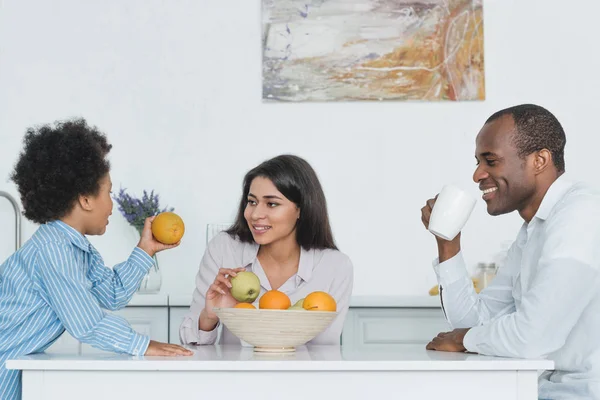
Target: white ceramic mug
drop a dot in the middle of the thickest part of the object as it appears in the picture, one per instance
(450, 212)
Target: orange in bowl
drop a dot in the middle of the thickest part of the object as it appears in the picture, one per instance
(168, 228)
(274, 300)
(319, 301)
(244, 305)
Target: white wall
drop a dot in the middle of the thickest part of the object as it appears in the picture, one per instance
(177, 88)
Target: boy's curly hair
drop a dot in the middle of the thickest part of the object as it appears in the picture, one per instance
(57, 165)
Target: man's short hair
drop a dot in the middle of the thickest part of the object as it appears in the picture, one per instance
(536, 129)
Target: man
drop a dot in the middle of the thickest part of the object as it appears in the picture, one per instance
(545, 300)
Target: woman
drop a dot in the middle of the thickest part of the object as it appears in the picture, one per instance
(58, 281)
(282, 234)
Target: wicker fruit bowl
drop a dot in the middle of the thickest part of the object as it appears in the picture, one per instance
(275, 330)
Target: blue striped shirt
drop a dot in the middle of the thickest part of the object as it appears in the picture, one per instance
(58, 281)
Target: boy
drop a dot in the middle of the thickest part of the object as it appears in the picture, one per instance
(57, 281)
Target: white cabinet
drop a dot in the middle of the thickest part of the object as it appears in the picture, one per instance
(364, 327)
(370, 327)
(150, 321)
(175, 318)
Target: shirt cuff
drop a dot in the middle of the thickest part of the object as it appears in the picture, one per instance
(451, 270)
(208, 337)
(139, 344)
(190, 334)
(472, 340)
(436, 267)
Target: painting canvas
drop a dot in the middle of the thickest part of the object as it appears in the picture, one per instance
(345, 50)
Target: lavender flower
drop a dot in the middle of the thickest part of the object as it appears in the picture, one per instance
(137, 210)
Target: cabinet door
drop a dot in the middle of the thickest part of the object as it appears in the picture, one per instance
(371, 327)
(150, 321)
(175, 318)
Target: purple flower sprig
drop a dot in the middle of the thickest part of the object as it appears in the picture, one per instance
(137, 210)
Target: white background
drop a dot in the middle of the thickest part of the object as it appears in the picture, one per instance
(176, 86)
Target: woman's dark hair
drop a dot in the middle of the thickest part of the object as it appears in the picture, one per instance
(298, 182)
(57, 165)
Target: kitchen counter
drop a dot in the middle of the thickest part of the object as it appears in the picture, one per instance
(407, 371)
(424, 301)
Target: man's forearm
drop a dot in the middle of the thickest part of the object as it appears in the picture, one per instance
(447, 250)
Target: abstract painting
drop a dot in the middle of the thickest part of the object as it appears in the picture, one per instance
(346, 50)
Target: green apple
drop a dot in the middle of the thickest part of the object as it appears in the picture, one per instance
(297, 305)
(245, 286)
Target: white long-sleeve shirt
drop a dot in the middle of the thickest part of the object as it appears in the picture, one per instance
(325, 270)
(545, 300)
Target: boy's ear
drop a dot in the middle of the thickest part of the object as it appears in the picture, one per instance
(85, 203)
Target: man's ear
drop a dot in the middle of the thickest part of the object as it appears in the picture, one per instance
(85, 202)
(542, 160)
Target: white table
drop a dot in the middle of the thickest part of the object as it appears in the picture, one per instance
(311, 373)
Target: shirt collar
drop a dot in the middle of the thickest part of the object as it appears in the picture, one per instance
(74, 236)
(555, 192)
(305, 267)
(307, 264)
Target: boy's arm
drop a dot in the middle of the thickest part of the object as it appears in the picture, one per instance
(69, 293)
(115, 287)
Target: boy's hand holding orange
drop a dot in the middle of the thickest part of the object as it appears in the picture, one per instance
(148, 241)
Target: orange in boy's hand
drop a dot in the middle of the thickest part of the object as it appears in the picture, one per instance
(319, 301)
(244, 305)
(168, 228)
(275, 300)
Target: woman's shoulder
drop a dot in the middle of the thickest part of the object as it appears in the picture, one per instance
(333, 259)
(224, 239)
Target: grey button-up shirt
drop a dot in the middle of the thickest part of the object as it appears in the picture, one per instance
(330, 271)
